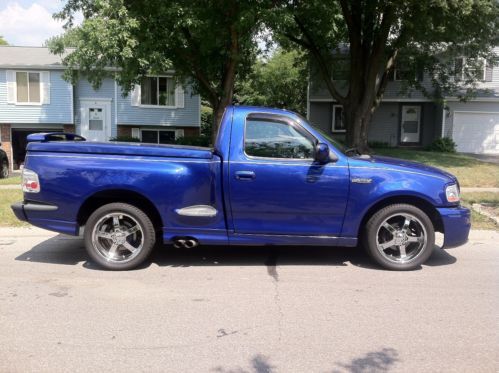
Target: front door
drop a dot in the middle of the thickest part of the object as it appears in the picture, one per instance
(276, 187)
(96, 120)
(410, 128)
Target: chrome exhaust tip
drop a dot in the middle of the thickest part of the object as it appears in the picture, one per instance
(184, 243)
(190, 244)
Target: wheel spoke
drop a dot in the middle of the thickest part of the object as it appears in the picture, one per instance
(407, 222)
(132, 230)
(386, 245)
(102, 234)
(403, 254)
(418, 239)
(112, 250)
(116, 221)
(389, 228)
(129, 247)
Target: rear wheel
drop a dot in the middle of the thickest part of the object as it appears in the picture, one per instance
(399, 237)
(4, 170)
(119, 236)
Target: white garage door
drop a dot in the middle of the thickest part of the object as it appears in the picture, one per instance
(476, 132)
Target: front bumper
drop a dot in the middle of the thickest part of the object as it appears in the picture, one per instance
(456, 223)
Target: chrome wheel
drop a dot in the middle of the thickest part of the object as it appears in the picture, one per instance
(118, 237)
(401, 238)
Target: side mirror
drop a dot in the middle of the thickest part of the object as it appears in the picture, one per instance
(322, 153)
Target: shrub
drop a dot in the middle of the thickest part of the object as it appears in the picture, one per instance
(442, 145)
(379, 144)
(124, 139)
(194, 141)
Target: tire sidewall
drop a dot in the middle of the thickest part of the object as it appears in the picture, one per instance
(370, 240)
(137, 214)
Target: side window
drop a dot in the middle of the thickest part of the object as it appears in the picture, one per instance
(273, 139)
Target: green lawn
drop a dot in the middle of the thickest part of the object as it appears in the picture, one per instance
(7, 217)
(469, 171)
(14, 180)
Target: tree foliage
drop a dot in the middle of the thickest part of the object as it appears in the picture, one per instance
(376, 35)
(279, 81)
(208, 43)
(3, 41)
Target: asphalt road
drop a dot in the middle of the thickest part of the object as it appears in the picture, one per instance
(246, 310)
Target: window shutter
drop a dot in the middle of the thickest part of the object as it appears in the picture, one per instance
(458, 68)
(136, 95)
(11, 86)
(45, 87)
(419, 74)
(136, 133)
(489, 68)
(179, 97)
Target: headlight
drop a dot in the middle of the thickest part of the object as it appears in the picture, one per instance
(452, 193)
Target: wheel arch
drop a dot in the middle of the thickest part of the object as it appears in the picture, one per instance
(416, 201)
(107, 196)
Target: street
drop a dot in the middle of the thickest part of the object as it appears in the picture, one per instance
(249, 309)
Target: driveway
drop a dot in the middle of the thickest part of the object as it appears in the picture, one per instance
(491, 158)
(246, 310)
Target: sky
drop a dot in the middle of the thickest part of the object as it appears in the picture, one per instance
(29, 22)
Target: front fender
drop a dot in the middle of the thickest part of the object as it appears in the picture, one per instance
(387, 184)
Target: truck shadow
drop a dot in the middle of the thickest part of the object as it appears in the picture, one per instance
(68, 250)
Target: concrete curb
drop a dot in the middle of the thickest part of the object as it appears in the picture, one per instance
(10, 187)
(478, 208)
(469, 189)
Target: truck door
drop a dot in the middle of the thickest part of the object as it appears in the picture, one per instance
(275, 185)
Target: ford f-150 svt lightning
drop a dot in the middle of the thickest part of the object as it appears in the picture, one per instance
(270, 179)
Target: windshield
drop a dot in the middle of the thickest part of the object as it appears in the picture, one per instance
(328, 136)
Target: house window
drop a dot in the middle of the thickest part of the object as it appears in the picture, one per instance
(157, 91)
(470, 68)
(338, 119)
(341, 69)
(28, 87)
(158, 136)
(402, 73)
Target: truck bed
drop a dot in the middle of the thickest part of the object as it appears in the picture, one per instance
(121, 148)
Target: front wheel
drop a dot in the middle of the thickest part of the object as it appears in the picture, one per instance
(119, 236)
(399, 237)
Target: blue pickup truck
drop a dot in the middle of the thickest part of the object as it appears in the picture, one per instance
(271, 179)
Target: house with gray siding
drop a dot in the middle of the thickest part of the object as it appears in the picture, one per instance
(34, 97)
(407, 118)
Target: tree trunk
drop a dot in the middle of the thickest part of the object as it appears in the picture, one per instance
(357, 123)
(218, 112)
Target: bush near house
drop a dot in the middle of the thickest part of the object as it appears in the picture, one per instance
(124, 139)
(443, 145)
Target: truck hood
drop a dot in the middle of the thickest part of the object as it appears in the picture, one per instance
(402, 165)
(121, 148)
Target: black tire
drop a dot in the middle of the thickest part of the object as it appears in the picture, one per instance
(94, 245)
(4, 169)
(421, 251)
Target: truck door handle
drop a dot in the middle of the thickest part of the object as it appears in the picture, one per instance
(245, 175)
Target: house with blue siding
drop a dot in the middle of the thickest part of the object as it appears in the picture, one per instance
(407, 118)
(34, 97)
